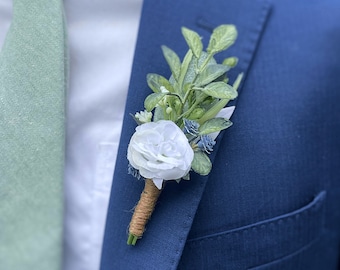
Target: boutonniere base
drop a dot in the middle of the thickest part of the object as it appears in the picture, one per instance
(143, 211)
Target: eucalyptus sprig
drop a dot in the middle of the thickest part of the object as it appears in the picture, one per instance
(198, 88)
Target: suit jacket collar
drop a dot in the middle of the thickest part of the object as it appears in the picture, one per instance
(164, 240)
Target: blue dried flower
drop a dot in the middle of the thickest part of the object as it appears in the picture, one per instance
(191, 127)
(134, 172)
(206, 144)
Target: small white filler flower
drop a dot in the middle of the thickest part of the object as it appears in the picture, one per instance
(144, 116)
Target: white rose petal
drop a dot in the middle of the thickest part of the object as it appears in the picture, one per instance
(158, 182)
(160, 151)
(226, 112)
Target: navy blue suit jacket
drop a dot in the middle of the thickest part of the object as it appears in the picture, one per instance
(272, 199)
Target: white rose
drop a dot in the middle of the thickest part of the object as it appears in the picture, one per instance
(160, 151)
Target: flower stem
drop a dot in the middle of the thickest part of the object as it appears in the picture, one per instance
(132, 239)
(143, 211)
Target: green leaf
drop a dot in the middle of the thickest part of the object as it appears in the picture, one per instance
(220, 90)
(184, 67)
(213, 111)
(152, 100)
(237, 82)
(155, 82)
(186, 177)
(196, 113)
(222, 38)
(193, 40)
(210, 73)
(158, 114)
(201, 163)
(193, 66)
(173, 61)
(214, 125)
(230, 61)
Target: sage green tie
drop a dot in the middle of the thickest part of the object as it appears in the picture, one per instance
(32, 86)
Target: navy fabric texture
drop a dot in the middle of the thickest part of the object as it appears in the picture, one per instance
(272, 198)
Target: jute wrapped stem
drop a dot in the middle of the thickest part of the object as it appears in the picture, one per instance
(143, 211)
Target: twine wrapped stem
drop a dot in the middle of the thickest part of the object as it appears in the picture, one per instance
(143, 211)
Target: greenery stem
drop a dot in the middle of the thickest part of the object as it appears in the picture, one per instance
(201, 97)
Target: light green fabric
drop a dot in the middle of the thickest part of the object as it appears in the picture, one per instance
(32, 86)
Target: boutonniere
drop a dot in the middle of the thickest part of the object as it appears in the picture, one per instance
(182, 118)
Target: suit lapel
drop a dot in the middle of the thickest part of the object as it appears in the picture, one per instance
(163, 242)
